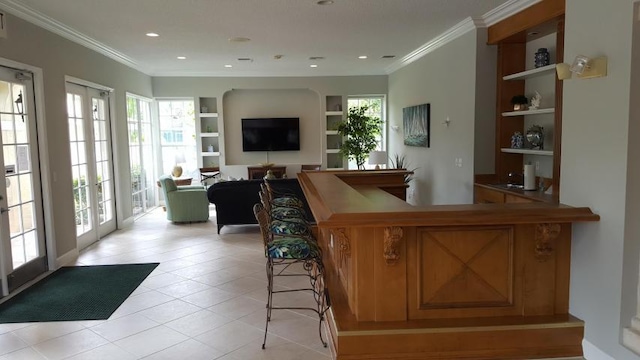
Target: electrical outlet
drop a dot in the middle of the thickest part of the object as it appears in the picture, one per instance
(537, 165)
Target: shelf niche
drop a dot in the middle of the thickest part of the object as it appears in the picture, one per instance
(517, 76)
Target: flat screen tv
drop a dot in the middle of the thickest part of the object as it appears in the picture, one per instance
(271, 134)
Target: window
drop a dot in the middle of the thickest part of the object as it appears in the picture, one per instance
(178, 136)
(376, 106)
(141, 151)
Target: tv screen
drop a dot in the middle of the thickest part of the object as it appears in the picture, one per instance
(271, 134)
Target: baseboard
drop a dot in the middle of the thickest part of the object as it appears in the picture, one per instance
(67, 258)
(592, 352)
(128, 222)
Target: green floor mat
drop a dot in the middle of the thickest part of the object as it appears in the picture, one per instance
(76, 293)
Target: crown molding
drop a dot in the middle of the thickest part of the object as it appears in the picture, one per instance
(496, 15)
(506, 10)
(453, 33)
(15, 8)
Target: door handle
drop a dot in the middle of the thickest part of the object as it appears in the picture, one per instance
(4, 210)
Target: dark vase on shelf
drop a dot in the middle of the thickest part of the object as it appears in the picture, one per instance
(542, 57)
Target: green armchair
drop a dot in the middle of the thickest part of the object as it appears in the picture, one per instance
(184, 203)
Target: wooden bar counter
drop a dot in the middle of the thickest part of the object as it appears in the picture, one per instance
(482, 281)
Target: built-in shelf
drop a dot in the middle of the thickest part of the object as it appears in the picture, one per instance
(208, 115)
(531, 73)
(527, 151)
(207, 153)
(332, 132)
(333, 151)
(209, 134)
(530, 112)
(333, 113)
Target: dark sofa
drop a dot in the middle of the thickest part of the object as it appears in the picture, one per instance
(234, 200)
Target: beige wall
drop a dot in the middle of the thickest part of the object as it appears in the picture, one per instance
(596, 143)
(448, 79)
(255, 95)
(299, 103)
(57, 57)
(485, 112)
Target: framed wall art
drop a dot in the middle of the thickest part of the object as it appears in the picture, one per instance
(417, 121)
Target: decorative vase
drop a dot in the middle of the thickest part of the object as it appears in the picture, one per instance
(535, 137)
(517, 140)
(210, 148)
(542, 57)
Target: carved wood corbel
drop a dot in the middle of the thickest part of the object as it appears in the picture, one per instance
(344, 244)
(545, 234)
(392, 237)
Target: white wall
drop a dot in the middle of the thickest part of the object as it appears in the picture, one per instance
(57, 57)
(595, 149)
(447, 79)
(630, 306)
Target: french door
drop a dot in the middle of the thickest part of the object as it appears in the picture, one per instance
(91, 163)
(22, 235)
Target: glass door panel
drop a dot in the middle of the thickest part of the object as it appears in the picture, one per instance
(91, 163)
(22, 243)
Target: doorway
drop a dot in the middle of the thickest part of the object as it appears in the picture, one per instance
(91, 162)
(23, 254)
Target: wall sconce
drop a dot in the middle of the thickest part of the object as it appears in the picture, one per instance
(583, 67)
(20, 105)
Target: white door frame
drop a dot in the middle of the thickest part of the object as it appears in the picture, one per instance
(117, 152)
(43, 152)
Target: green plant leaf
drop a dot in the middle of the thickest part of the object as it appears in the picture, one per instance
(359, 131)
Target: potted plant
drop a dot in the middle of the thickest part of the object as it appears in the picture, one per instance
(519, 102)
(359, 132)
(399, 162)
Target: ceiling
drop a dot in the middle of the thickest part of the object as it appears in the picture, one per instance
(295, 29)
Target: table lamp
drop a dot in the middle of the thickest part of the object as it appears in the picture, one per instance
(177, 169)
(377, 157)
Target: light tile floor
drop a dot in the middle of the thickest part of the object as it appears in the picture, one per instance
(206, 300)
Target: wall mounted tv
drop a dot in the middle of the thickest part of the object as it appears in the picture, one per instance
(271, 134)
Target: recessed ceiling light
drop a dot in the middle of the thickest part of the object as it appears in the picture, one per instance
(325, 2)
(152, 35)
(316, 58)
(182, 57)
(239, 39)
(388, 56)
(313, 65)
(228, 66)
(362, 57)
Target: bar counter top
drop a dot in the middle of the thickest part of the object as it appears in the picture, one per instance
(337, 203)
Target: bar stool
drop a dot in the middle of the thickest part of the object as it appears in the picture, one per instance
(284, 251)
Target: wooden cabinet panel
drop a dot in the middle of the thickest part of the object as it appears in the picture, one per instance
(516, 199)
(487, 196)
(258, 172)
(475, 277)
